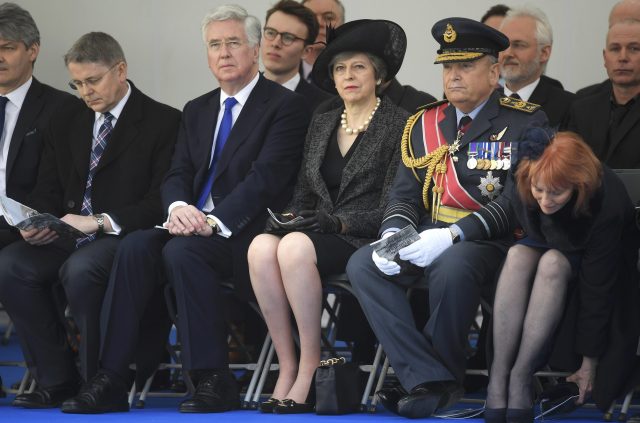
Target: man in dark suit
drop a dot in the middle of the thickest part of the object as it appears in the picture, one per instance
(101, 171)
(523, 63)
(238, 152)
(457, 143)
(26, 106)
(609, 118)
(289, 30)
(624, 9)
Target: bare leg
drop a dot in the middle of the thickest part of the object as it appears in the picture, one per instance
(543, 314)
(297, 258)
(268, 288)
(512, 296)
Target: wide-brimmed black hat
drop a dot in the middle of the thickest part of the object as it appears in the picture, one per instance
(463, 40)
(384, 39)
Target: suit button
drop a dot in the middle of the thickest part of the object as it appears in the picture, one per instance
(71, 204)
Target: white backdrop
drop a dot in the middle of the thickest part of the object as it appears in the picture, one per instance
(167, 60)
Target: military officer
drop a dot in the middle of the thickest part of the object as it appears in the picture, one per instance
(456, 155)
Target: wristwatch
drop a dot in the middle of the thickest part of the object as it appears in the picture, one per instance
(213, 224)
(100, 221)
(455, 234)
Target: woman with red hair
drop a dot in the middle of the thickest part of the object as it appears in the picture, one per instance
(566, 281)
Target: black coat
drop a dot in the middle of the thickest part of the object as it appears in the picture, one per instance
(555, 102)
(602, 318)
(27, 141)
(589, 117)
(126, 184)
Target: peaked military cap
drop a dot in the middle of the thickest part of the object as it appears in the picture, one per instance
(464, 40)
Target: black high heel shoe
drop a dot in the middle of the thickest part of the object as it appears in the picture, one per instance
(289, 406)
(520, 415)
(268, 405)
(495, 415)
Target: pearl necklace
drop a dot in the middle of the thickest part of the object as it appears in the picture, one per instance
(365, 124)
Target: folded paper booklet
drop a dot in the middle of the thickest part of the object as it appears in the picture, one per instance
(284, 220)
(389, 246)
(23, 217)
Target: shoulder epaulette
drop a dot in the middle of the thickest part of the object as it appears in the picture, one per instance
(431, 105)
(518, 104)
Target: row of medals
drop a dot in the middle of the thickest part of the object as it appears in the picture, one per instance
(503, 163)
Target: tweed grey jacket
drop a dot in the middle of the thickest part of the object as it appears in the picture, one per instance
(366, 178)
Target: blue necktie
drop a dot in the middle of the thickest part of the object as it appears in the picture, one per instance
(99, 144)
(221, 139)
(3, 105)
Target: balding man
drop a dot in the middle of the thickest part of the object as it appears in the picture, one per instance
(609, 119)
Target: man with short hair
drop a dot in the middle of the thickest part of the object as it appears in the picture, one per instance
(609, 119)
(495, 15)
(26, 106)
(238, 152)
(624, 9)
(100, 172)
(328, 13)
(456, 145)
(523, 63)
(289, 31)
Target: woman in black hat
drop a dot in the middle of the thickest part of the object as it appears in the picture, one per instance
(350, 158)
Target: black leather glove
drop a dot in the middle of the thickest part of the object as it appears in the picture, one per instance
(272, 225)
(318, 221)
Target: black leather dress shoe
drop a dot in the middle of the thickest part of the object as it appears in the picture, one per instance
(425, 399)
(217, 391)
(102, 394)
(289, 406)
(389, 397)
(268, 405)
(50, 397)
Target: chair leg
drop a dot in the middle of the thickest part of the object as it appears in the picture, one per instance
(257, 372)
(263, 377)
(372, 376)
(7, 333)
(381, 378)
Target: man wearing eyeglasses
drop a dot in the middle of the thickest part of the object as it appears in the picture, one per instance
(100, 172)
(238, 153)
(287, 38)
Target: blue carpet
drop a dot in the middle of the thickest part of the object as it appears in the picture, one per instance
(159, 410)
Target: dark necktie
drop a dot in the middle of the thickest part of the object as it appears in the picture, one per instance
(516, 96)
(99, 144)
(464, 124)
(221, 139)
(3, 105)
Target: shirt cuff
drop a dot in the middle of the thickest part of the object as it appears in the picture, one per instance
(224, 231)
(389, 231)
(116, 228)
(458, 231)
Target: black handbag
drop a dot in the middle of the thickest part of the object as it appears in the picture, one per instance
(337, 387)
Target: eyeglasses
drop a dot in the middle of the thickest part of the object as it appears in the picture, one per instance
(90, 82)
(230, 44)
(286, 37)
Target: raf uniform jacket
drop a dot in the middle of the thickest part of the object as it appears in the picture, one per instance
(603, 302)
(366, 178)
(555, 102)
(27, 141)
(590, 118)
(312, 94)
(406, 204)
(126, 184)
(255, 171)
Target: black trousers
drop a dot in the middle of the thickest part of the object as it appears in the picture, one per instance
(454, 281)
(133, 308)
(27, 274)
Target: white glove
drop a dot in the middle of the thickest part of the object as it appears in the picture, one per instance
(431, 244)
(388, 267)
